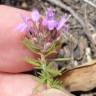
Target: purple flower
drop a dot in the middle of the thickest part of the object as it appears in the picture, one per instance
(35, 15)
(21, 27)
(51, 24)
(62, 22)
(25, 19)
(49, 21)
(49, 14)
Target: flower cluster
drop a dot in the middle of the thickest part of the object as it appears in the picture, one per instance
(43, 30)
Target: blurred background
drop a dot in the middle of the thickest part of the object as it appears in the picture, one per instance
(24, 4)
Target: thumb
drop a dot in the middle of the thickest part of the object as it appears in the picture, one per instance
(11, 49)
(18, 85)
(54, 92)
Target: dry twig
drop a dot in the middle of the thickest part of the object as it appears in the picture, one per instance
(89, 2)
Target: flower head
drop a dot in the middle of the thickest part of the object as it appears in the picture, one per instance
(45, 29)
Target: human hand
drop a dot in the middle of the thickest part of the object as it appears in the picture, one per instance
(11, 53)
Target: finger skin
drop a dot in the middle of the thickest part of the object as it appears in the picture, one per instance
(25, 85)
(51, 92)
(54, 92)
(12, 51)
(18, 85)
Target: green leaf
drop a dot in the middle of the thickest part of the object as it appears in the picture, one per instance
(62, 59)
(32, 61)
(44, 76)
(54, 72)
(50, 53)
(27, 43)
(52, 47)
(47, 76)
(56, 84)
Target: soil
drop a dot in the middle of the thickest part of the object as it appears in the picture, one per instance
(79, 43)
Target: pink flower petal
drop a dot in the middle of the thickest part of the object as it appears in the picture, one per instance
(21, 27)
(35, 15)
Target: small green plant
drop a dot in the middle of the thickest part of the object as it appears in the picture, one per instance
(48, 73)
(43, 37)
